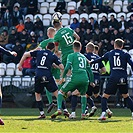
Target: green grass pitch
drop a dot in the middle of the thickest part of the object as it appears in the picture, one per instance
(25, 120)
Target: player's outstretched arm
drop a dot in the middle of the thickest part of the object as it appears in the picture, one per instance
(4, 51)
(76, 36)
(27, 54)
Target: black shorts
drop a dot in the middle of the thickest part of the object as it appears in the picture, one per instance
(92, 90)
(116, 83)
(49, 83)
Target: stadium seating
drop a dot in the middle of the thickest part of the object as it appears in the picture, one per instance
(10, 69)
(30, 16)
(85, 15)
(47, 19)
(2, 69)
(75, 15)
(44, 7)
(65, 19)
(71, 6)
(26, 81)
(94, 15)
(52, 6)
(16, 81)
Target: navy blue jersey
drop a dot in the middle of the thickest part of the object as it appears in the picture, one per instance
(4, 51)
(118, 60)
(45, 59)
(95, 66)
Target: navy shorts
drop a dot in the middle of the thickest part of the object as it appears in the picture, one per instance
(94, 90)
(116, 83)
(49, 83)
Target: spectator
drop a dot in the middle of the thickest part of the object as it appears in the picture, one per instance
(32, 6)
(32, 41)
(13, 36)
(29, 25)
(122, 25)
(75, 24)
(80, 33)
(4, 38)
(97, 4)
(85, 6)
(87, 37)
(83, 24)
(104, 23)
(96, 37)
(128, 39)
(7, 19)
(130, 23)
(115, 35)
(41, 37)
(19, 50)
(23, 6)
(23, 37)
(108, 6)
(38, 25)
(93, 24)
(20, 26)
(130, 5)
(28, 69)
(17, 16)
(113, 23)
(105, 41)
(61, 6)
(7, 4)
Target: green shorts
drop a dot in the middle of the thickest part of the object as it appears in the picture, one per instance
(74, 83)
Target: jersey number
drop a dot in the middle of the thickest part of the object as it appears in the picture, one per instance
(43, 60)
(82, 63)
(94, 66)
(117, 61)
(68, 38)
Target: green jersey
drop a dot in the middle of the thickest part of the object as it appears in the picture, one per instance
(65, 38)
(44, 43)
(79, 66)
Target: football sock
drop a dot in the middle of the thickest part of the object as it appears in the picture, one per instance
(130, 103)
(90, 101)
(99, 98)
(74, 102)
(104, 104)
(83, 102)
(49, 96)
(63, 104)
(40, 106)
(59, 100)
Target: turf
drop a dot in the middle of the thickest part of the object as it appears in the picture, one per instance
(25, 120)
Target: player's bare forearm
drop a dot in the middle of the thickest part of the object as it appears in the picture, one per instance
(76, 36)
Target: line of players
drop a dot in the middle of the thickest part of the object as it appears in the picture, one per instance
(73, 60)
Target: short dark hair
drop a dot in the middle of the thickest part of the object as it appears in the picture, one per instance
(119, 42)
(50, 45)
(76, 45)
(56, 23)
